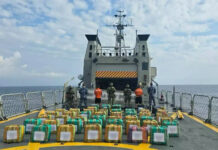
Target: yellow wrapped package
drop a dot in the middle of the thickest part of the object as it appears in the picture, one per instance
(113, 133)
(77, 110)
(51, 114)
(131, 123)
(119, 114)
(13, 133)
(131, 117)
(144, 113)
(66, 133)
(71, 114)
(62, 119)
(54, 125)
(93, 133)
(60, 112)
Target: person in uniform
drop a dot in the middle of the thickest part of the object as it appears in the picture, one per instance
(138, 94)
(111, 94)
(83, 96)
(98, 94)
(151, 93)
(127, 95)
(69, 97)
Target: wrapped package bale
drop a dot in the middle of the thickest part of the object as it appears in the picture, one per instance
(102, 117)
(41, 133)
(54, 125)
(93, 133)
(132, 123)
(95, 105)
(60, 112)
(77, 110)
(159, 135)
(116, 106)
(113, 133)
(94, 121)
(130, 117)
(118, 114)
(13, 133)
(102, 111)
(145, 118)
(87, 113)
(84, 119)
(144, 113)
(43, 117)
(108, 106)
(165, 118)
(30, 123)
(149, 123)
(159, 115)
(62, 119)
(115, 117)
(172, 128)
(42, 112)
(66, 133)
(137, 135)
(71, 114)
(173, 116)
(116, 110)
(78, 124)
(51, 113)
(94, 108)
(115, 121)
(127, 113)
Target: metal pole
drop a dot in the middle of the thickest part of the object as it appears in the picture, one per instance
(173, 97)
(208, 120)
(2, 117)
(181, 98)
(43, 100)
(192, 105)
(26, 103)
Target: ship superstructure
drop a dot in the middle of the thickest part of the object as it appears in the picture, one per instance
(118, 64)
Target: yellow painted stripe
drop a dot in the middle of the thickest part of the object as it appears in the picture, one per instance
(19, 116)
(202, 122)
(37, 146)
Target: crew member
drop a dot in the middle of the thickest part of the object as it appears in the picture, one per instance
(83, 96)
(98, 94)
(69, 97)
(127, 95)
(111, 94)
(151, 93)
(138, 94)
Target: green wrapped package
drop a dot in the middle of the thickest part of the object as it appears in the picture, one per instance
(95, 105)
(108, 106)
(116, 106)
(132, 113)
(172, 128)
(145, 118)
(130, 109)
(86, 114)
(115, 121)
(159, 135)
(116, 109)
(41, 133)
(78, 124)
(30, 123)
(102, 117)
(95, 121)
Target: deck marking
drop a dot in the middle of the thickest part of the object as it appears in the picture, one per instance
(18, 116)
(202, 122)
(37, 146)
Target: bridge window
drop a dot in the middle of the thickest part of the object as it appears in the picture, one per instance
(143, 54)
(90, 55)
(144, 66)
(143, 47)
(90, 47)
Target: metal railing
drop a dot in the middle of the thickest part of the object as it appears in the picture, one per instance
(19, 103)
(202, 106)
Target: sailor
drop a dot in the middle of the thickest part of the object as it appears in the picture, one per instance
(138, 94)
(69, 97)
(127, 95)
(83, 96)
(98, 94)
(151, 93)
(111, 94)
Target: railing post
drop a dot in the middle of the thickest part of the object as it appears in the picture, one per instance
(26, 103)
(192, 105)
(43, 100)
(181, 99)
(2, 116)
(208, 120)
(173, 97)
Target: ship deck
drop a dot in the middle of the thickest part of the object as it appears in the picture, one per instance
(194, 135)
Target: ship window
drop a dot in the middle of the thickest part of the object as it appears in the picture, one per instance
(97, 54)
(116, 54)
(143, 47)
(90, 47)
(110, 54)
(103, 54)
(123, 54)
(130, 54)
(144, 66)
(143, 54)
(136, 54)
(90, 55)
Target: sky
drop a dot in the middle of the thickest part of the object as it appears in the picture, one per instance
(42, 42)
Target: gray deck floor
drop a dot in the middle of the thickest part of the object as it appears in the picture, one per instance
(193, 136)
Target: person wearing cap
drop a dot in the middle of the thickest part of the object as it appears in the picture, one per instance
(83, 96)
(151, 93)
(138, 94)
(111, 94)
(98, 94)
(127, 95)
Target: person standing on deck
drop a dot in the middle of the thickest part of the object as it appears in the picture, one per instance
(138, 94)
(151, 93)
(69, 97)
(83, 96)
(127, 95)
(98, 94)
(111, 94)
